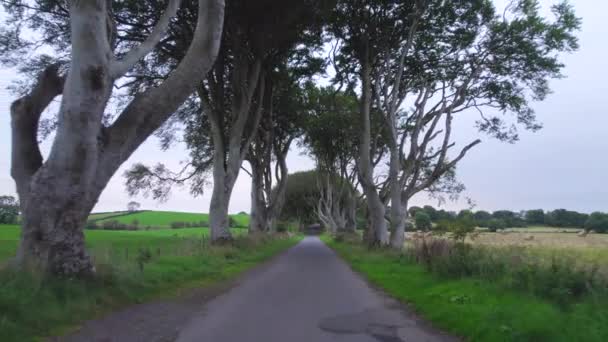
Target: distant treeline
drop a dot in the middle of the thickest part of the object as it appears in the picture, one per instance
(502, 219)
(112, 224)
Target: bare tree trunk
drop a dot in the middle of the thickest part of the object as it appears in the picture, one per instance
(57, 195)
(258, 221)
(351, 213)
(229, 152)
(398, 221)
(277, 197)
(52, 238)
(397, 213)
(222, 191)
(218, 215)
(375, 207)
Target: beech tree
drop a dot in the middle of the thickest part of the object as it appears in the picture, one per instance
(222, 122)
(279, 127)
(421, 63)
(331, 139)
(58, 192)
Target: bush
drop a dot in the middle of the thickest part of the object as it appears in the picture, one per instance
(496, 224)
(458, 229)
(110, 225)
(9, 210)
(422, 220)
(559, 280)
(178, 225)
(597, 222)
(282, 227)
(91, 225)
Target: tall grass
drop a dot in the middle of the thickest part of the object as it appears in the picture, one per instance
(489, 294)
(556, 277)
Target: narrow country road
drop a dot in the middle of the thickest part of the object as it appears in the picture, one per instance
(308, 294)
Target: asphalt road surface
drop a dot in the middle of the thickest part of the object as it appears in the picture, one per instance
(306, 295)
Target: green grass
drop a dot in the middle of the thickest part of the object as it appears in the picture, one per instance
(101, 242)
(163, 218)
(475, 309)
(32, 307)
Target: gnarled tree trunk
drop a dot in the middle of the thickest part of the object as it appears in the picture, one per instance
(266, 202)
(58, 194)
(230, 151)
(378, 233)
(258, 220)
(398, 209)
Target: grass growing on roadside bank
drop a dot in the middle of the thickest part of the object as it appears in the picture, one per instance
(33, 307)
(476, 308)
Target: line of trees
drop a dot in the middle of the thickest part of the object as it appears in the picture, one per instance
(235, 81)
(502, 219)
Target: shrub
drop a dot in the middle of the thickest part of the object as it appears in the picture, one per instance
(9, 210)
(144, 256)
(413, 210)
(496, 224)
(92, 225)
(233, 223)
(559, 279)
(282, 226)
(422, 220)
(597, 222)
(458, 229)
(178, 225)
(110, 225)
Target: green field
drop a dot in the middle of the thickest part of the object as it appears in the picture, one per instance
(102, 242)
(100, 216)
(132, 267)
(162, 219)
(475, 308)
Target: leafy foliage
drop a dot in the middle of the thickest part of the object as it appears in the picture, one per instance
(597, 222)
(422, 220)
(535, 216)
(458, 229)
(565, 218)
(496, 224)
(9, 210)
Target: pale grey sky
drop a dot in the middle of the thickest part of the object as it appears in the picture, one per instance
(564, 165)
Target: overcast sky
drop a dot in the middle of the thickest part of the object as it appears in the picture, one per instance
(565, 165)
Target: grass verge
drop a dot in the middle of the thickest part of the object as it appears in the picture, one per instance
(473, 308)
(32, 307)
